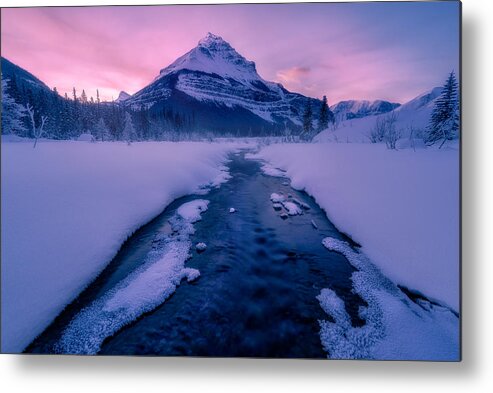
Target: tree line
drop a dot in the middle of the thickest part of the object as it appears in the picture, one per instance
(39, 112)
(54, 116)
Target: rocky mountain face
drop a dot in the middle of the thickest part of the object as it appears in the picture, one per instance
(355, 109)
(222, 92)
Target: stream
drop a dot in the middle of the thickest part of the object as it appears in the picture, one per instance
(259, 278)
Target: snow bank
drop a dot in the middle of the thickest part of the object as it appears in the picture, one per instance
(67, 207)
(85, 138)
(395, 327)
(140, 292)
(191, 212)
(401, 206)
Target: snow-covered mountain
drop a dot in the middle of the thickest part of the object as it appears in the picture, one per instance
(123, 96)
(422, 101)
(354, 109)
(413, 114)
(222, 91)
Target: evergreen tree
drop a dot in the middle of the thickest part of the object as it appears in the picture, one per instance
(77, 128)
(307, 121)
(444, 121)
(129, 134)
(54, 112)
(12, 113)
(143, 123)
(323, 121)
(101, 131)
(66, 119)
(83, 97)
(14, 90)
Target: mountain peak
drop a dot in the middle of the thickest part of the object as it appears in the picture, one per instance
(211, 40)
(123, 96)
(213, 55)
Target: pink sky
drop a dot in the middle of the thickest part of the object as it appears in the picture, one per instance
(345, 51)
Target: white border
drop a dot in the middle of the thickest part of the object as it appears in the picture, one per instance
(77, 374)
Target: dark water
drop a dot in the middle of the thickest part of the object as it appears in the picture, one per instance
(260, 275)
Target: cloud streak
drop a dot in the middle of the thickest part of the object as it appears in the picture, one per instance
(368, 50)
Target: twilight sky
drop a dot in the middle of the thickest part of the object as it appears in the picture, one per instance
(391, 51)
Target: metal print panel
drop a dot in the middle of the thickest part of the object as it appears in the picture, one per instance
(278, 180)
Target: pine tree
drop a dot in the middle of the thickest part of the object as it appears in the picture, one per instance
(143, 123)
(101, 131)
(83, 97)
(54, 113)
(307, 121)
(323, 121)
(129, 134)
(12, 113)
(444, 121)
(14, 90)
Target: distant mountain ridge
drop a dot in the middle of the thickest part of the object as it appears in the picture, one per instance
(412, 116)
(355, 109)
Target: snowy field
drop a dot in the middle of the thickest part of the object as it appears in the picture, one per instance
(401, 206)
(67, 207)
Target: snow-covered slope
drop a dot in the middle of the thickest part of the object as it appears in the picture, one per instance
(213, 55)
(22, 77)
(67, 207)
(421, 102)
(415, 113)
(354, 109)
(223, 91)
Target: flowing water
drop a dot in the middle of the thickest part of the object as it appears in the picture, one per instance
(259, 278)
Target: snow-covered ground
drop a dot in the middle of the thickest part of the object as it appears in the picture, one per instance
(395, 327)
(401, 206)
(140, 292)
(67, 207)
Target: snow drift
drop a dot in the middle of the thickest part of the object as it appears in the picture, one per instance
(395, 327)
(140, 292)
(67, 207)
